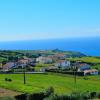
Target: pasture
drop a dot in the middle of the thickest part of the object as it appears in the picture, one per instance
(63, 84)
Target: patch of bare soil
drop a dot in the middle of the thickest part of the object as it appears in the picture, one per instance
(6, 92)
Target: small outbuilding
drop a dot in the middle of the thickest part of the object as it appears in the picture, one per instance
(91, 72)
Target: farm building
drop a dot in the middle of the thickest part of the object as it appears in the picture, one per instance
(91, 72)
(82, 67)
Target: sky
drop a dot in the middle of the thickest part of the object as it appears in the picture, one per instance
(48, 19)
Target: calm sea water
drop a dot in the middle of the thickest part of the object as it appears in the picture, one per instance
(89, 46)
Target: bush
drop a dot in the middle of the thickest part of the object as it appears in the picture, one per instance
(49, 91)
(85, 96)
(9, 80)
(21, 97)
(93, 94)
(6, 79)
(36, 96)
(98, 95)
(57, 97)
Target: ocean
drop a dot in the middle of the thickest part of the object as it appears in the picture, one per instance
(88, 46)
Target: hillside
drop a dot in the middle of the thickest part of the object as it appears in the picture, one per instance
(52, 52)
(14, 54)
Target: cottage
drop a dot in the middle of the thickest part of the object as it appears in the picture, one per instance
(82, 67)
(30, 60)
(60, 56)
(44, 60)
(63, 64)
(91, 72)
(9, 66)
(22, 63)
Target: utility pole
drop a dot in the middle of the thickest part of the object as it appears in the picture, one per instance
(24, 65)
(24, 76)
(75, 74)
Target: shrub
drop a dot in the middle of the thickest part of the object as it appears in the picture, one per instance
(85, 96)
(49, 91)
(21, 97)
(98, 95)
(58, 97)
(36, 96)
(9, 80)
(6, 79)
(93, 95)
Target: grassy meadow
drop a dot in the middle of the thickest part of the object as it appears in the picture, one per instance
(94, 60)
(63, 84)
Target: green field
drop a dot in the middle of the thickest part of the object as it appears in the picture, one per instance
(86, 59)
(62, 84)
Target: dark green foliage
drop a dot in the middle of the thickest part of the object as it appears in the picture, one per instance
(49, 95)
(57, 97)
(9, 80)
(21, 97)
(98, 95)
(36, 96)
(93, 94)
(6, 79)
(49, 91)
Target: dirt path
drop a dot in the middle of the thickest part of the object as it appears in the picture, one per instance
(6, 92)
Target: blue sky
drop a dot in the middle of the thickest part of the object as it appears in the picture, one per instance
(46, 19)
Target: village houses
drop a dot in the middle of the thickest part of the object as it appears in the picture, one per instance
(86, 69)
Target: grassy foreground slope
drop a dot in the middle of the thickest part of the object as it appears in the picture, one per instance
(37, 83)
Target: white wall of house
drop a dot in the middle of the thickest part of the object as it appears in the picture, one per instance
(92, 73)
(63, 64)
(42, 69)
(44, 60)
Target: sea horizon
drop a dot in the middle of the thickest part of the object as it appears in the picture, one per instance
(88, 46)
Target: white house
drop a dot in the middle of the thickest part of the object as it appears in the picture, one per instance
(63, 64)
(91, 72)
(60, 56)
(44, 60)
